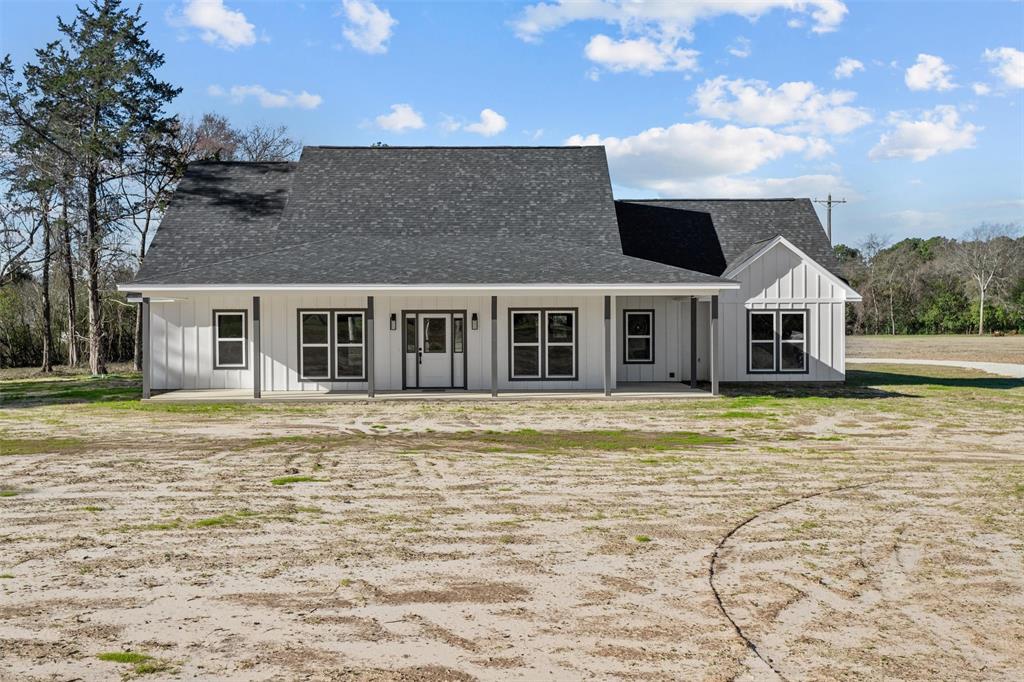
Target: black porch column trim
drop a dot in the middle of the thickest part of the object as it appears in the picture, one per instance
(494, 346)
(693, 342)
(607, 345)
(257, 354)
(370, 387)
(714, 345)
(147, 373)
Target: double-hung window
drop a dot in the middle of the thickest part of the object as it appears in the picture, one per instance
(349, 356)
(560, 343)
(777, 341)
(526, 344)
(638, 330)
(315, 344)
(230, 339)
(542, 344)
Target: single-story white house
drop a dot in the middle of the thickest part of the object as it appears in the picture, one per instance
(482, 269)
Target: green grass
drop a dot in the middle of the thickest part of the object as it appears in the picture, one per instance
(72, 389)
(642, 538)
(142, 664)
(6, 576)
(8, 493)
(10, 447)
(554, 442)
(123, 657)
(288, 480)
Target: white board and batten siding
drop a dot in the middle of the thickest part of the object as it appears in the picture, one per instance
(782, 280)
(671, 339)
(182, 343)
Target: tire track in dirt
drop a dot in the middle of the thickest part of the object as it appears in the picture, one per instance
(713, 566)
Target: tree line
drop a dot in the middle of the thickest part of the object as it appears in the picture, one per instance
(89, 161)
(937, 285)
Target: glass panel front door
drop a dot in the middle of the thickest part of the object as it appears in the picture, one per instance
(435, 351)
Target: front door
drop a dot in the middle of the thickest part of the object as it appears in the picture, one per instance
(435, 350)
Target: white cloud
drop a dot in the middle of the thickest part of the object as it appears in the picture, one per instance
(938, 131)
(368, 27)
(741, 48)
(490, 124)
(798, 104)
(219, 25)
(402, 118)
(1009, 65)
(669, 19)
(746, 187)
(847, 67)
(682, 157)
(929, 73)
(267, 99)
(641, 54)
(981, 88)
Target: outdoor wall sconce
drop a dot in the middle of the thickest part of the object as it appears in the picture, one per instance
(474, 322)
(394, 322)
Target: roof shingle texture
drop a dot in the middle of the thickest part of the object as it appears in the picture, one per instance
(392, 216)
(712, 235)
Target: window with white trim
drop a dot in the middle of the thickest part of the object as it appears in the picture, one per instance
(560, 344)
(315, 344)
(230, 342)
(525, 334)
(350, 360)
(638, 330)
(792, 340)
(777, 341)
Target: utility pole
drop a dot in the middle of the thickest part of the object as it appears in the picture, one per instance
(828, 221)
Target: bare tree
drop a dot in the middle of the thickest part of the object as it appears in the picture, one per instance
(984, 256)
(262, 142)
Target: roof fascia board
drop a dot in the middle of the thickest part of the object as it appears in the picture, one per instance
(851, 294)
(653, 289)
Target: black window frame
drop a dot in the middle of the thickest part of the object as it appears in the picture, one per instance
(626, 335)
(332, 344)
(777, 340)
(543, 343)
(245, 338)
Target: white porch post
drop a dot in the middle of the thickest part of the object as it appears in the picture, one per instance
(369, 347)
(494, 346)
(147, 373)
(607, 345)
(257, 353)
(715, 350)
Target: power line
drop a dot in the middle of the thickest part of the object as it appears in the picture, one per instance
(828, 202)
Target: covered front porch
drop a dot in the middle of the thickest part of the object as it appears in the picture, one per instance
(579, 343)
(625, 391)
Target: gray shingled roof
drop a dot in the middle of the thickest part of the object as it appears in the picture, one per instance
(711, 235)
(402, 215)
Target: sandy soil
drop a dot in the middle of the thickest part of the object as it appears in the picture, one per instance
(978, 348)
(874, 536)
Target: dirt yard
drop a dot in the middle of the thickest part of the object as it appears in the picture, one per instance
(979, 348)
(874, 531)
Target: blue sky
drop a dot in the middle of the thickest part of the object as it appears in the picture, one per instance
(913, 111)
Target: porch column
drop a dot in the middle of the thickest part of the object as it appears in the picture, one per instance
(607, 345)
(146, 363)
(257, 354)
(494, 346)
(693, 342)
(714, 345)
(369, 347)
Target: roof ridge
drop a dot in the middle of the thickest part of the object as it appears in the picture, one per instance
(719, 199)
(441, 146)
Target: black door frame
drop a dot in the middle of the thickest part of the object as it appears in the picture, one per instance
(451, 353)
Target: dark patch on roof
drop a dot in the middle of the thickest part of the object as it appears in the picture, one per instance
(219, 211)
(402, 215)
(711, 235)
